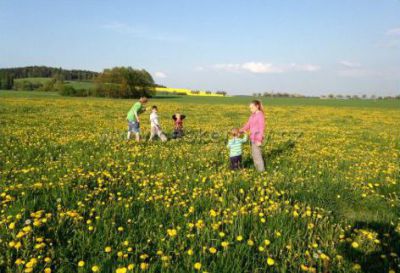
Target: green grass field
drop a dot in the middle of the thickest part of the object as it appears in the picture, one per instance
(34, 80)
(77, 197)
(395, 104)
(80, 84)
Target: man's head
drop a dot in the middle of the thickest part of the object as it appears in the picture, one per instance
(143, 100)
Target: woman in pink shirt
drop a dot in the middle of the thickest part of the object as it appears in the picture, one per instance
(256, 126)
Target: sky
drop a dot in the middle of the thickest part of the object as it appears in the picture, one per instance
(310, 47)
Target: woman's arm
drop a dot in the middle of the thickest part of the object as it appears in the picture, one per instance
(246, 127)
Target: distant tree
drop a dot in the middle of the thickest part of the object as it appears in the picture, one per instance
(124, 82)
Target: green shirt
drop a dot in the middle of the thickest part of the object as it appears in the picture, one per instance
(136, 108)
(235, 145)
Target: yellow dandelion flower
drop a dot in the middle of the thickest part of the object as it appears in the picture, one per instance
(144, 266)
(354, 245)
(121, 270)
(225, 244)
(172, 232)
(197, 266)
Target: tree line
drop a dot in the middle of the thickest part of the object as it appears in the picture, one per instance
(117, 82)
(330, 96)
(8, 75)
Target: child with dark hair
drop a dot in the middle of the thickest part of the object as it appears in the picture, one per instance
(178, 125)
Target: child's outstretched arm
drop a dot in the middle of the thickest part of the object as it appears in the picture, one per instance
(244, 138)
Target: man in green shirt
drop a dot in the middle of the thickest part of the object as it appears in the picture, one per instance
(133, 118)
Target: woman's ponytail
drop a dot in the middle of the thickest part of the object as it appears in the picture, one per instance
(258, 104)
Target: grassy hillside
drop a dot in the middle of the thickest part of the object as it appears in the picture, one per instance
(34, 80)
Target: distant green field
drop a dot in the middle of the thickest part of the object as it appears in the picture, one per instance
(80, 84)
(34, 80)
(229, 100)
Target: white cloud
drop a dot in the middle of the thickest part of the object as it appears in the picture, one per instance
(393, 32)
(257, 67)
(266, 68)
(349, 64)
(160, 75)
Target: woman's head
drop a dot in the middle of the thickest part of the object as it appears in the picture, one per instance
(143, 100)
(255, 106)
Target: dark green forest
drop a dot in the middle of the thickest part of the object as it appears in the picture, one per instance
(117, 82)
(7, 75)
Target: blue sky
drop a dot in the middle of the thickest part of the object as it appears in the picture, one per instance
(311, 47)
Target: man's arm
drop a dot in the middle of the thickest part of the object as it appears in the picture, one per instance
(136, 115)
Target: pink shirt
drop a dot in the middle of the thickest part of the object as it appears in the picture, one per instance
(256, 126)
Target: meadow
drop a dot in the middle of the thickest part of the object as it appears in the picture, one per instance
(76, 196)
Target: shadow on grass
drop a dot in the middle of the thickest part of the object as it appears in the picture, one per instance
(372, 262)
(282, 148)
